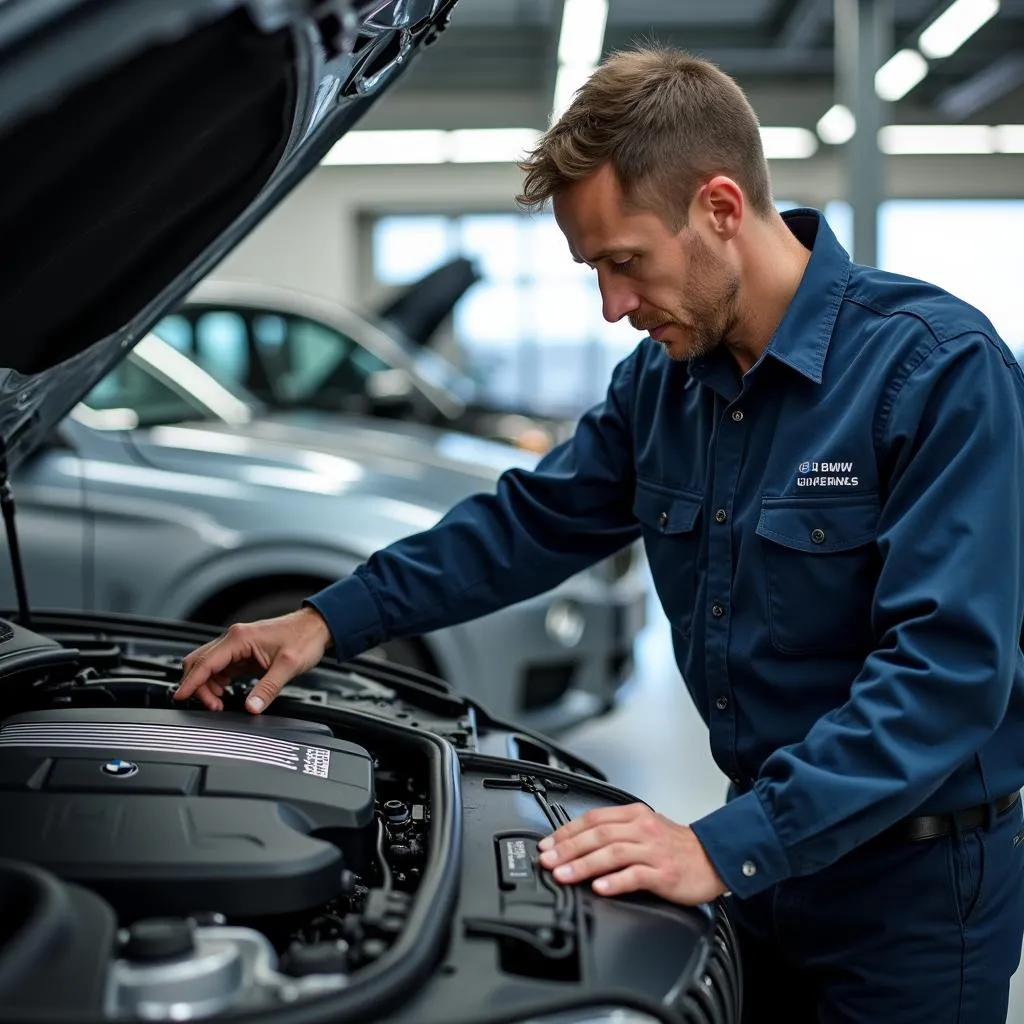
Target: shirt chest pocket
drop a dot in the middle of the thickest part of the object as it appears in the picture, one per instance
(821, 565)
(669, 520)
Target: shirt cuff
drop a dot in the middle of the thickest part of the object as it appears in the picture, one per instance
(741, 843)
(352, 616)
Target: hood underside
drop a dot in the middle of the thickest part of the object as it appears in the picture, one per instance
(139, 143)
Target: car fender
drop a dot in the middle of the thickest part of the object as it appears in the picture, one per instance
(196, 585)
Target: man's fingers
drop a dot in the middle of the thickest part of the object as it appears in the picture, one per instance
(607, 859)
(585, 842)
(635, 878)
(282, 670)
(231, 654)
(201, 665)
(208, 698)
(601, 816)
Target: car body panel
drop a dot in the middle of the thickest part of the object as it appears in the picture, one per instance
(169, 519)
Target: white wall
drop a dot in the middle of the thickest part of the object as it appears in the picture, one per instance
(312, 240)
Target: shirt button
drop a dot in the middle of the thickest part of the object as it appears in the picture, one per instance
(818, 536)
(722, 703)
(721, 515)
(663, 520)
(749, 868)
(718, 610)
(737, 415)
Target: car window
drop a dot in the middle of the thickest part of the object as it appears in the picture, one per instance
(132, 388)
(303, 358)
(176, 330)
(222, 344)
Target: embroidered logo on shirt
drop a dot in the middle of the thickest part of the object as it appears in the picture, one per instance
(826, 474)
(1018, 839)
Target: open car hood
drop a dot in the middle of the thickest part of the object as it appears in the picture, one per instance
(421, 307)
(139, 143)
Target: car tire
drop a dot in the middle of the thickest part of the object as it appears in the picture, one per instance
(268, 606)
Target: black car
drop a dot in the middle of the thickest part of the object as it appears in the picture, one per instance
(368, 851)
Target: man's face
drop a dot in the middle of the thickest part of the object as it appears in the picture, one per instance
(670, 284)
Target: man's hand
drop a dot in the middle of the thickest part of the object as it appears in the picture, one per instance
(627, 849)
(277, 650)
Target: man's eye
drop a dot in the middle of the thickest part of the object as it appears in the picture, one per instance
(623, 267)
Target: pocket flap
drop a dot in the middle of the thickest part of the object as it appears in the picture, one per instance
(819, 527)
(664, 510)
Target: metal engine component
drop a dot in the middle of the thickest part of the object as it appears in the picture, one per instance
(226, 969)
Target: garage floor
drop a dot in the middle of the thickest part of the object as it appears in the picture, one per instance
(655, 745)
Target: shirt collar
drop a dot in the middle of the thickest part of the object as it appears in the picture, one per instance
(801, 340)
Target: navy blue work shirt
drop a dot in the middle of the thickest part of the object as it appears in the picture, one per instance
(835, 537)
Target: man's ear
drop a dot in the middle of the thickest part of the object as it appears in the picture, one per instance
(720, 205)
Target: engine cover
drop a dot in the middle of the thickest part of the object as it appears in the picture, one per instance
(174, 812)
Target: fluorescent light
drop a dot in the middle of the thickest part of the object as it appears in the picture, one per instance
(433, 146)
(491, 145)
(899, 74)
(955, 26)
(580, 42)
(900, 139)
(582, 35)
(788, 143)
(417, 146)
(837, 125)
(1009, 138)
(568, 79)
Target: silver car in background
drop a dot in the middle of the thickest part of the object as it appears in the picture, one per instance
(295, 350)
(167, 493)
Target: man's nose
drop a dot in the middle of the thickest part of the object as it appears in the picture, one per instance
(617, 300)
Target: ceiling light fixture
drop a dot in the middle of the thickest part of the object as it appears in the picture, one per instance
(1009, 138)
(432, 146)
(934, 139)
(837, 125)
(580, 43)
(957, 23)
(784, 143)
(899, 74)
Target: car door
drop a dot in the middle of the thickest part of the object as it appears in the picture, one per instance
(144, 523)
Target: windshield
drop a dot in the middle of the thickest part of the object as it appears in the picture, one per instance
(284, 358)
(156, 386)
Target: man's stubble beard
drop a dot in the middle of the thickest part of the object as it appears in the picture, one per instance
(712, 311)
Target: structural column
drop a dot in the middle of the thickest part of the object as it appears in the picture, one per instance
(863, 42)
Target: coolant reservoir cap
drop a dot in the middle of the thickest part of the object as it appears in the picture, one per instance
(159, 938)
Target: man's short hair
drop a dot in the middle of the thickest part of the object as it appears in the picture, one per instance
(666, 121)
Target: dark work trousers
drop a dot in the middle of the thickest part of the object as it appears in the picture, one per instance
(916, 933)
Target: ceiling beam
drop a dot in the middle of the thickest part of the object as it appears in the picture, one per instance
(804, 25)
(965, 99)
(770, 61)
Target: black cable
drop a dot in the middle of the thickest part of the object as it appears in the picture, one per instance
(388, 880)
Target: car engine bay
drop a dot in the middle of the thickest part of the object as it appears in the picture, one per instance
(364, 851)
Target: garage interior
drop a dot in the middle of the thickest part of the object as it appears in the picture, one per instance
(902, 120)
(944, 184)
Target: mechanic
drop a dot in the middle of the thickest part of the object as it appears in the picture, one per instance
(825, 463)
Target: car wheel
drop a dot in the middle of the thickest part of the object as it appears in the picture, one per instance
(398, 652)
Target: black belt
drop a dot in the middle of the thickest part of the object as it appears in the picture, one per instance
(923, 827)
